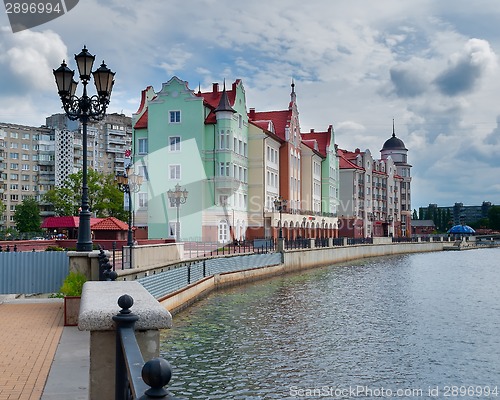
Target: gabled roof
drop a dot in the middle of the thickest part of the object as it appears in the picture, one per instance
(345, 162)
(142, 123)
(322, 138)
(280, 119)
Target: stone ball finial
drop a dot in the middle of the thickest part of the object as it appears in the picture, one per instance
(125, 302)
(156, 373)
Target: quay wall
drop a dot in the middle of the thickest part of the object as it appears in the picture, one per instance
(292, 261)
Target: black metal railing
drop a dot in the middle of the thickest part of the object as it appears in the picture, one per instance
(135, 379)
(299, 243)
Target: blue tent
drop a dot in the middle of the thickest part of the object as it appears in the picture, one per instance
(462, 229)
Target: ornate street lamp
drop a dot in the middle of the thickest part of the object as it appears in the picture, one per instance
(84, 108)
(371, 218)
(280, 205)
(129, 182)
(390, 219)
(177, 197)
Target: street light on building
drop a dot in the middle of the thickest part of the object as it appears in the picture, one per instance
(129, 182)
(177, 197)
(83, 109)
(280, 205)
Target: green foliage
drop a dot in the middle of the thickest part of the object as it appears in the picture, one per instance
(27, 216)
(73, 284)
(494, 217)
(105, 199)
(54, 248)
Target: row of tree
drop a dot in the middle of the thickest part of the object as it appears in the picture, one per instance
(105, 200)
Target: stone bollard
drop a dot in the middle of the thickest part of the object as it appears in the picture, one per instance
(98, 306)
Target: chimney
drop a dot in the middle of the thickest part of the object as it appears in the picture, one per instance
(251, 114)
(215, 88)
(357, 151)
(312, 130)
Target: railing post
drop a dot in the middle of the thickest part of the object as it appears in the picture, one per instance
(124, 319)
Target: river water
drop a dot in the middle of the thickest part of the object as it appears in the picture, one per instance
(410, 326)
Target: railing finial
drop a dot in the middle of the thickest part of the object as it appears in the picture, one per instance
(157, 373)
(125, 302)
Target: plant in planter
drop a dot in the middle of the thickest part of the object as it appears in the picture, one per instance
(71, 290)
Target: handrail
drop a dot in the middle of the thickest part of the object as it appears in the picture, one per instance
(135, 379)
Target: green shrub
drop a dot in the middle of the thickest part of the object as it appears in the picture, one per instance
(55, 248)
(73, 284)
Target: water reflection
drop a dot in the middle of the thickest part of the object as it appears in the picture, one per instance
(411, 321)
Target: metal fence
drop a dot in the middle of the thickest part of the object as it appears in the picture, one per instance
(181, 275)
(32, 272)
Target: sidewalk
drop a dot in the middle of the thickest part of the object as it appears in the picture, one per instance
(38, 354)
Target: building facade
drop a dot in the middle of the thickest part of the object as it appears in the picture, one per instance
(375, 193)
(33, 160)
(233, 164)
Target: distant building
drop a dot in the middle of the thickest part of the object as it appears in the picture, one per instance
(460, 214)
(33, 160)
(422, 226)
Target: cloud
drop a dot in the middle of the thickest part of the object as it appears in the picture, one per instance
(27, 59)
(466, 68)
(407, 83)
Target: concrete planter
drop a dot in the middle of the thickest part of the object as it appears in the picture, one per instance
(71, 310)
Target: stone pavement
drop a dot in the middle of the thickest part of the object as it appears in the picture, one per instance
(33, 345)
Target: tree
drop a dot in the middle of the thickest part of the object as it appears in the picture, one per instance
(494, 217)
(105, 199)
(27, 216)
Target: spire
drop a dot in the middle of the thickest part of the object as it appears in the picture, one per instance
(199, 87)
(293, 96)
(393, 130)
(224, 102)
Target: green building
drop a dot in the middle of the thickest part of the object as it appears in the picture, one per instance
(199, 143)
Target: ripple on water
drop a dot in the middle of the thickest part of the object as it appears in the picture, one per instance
(396, 322)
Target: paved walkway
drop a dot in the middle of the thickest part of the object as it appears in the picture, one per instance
(39, 357)
(30, 333)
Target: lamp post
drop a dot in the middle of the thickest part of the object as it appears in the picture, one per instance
(129, 182)
(279, 205)
(177, 197)
(84, 108)
(390, 219)
(371, 217)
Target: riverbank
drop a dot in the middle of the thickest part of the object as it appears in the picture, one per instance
(291, 261)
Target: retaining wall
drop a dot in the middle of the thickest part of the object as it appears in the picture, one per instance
(294, 260)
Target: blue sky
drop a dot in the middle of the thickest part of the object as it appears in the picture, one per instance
(357, 64)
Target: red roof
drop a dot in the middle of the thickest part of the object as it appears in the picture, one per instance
(142, 122)
(344, 161)
(97, 224)
(322, 138)
(109, 224)
(280, 119)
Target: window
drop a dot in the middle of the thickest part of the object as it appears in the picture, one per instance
(14, 156)
(175, 172)
(143, 200)
(224, 140)
(142, 170)
(14, 166)
(175, 143)
(224, 169)
(142, 145)
(223, 231)
(175, 117)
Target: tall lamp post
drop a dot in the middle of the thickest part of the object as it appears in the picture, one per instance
(129, 182)
(177, 197)
(83, 109)
(279, 205)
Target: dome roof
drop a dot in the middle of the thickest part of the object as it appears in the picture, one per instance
(394, 143)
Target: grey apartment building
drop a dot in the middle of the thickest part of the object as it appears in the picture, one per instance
(35, 159)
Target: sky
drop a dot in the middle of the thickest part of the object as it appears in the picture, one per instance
(431, 65)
